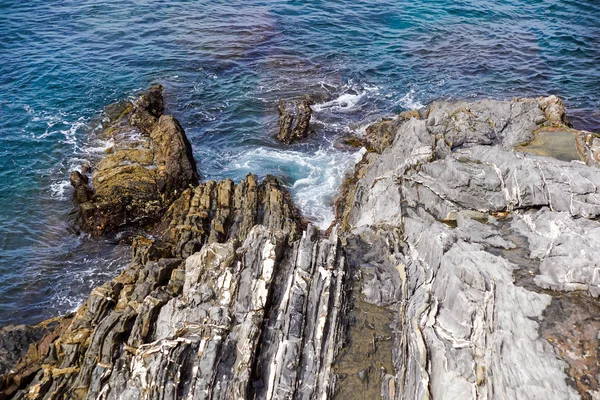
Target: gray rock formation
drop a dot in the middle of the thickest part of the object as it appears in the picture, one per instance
(463, 263)
(483, 231)
(294, 120)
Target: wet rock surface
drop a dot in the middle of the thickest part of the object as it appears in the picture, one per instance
(149, 165)
(459, 266)
(294, 120)
(16, 339)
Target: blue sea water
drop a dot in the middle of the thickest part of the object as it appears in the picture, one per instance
(224, 64)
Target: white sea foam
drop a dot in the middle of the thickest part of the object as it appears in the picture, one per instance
(344, 102)
(316, 193)
(409, 102)
(70, 303)
(359, 130)
(312, 178)
(70, 134)
(82, 150)
(86, 274)
(99, 146)
(57, 189)
(351, 95)
(50, 119)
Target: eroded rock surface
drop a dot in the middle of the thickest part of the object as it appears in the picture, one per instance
(462, 265)
(149, 166)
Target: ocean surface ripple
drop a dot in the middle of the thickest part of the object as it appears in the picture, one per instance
(224, 65)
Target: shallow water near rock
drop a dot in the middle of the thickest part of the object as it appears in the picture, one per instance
(223, 67)
(557, 143)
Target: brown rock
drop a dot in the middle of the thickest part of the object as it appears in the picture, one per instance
(355, 141)
(380, 135)
(86, 168)
(149, 166)
(113, 112)
(143, 157)
(294, 120)
(588, 145)
(29, 345)
(554, 110)
(77, 179)
(173, 158)
(14, 342)
(80, 182)
(406, 115)
(213, 212)
(147, 109)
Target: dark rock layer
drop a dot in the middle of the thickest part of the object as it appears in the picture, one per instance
(15, 340)
(294, 120)
(462, 264)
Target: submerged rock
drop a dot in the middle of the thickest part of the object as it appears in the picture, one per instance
(294, 120)
(149, 166)
(459, 266)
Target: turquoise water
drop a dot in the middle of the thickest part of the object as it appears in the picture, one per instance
(224, 65)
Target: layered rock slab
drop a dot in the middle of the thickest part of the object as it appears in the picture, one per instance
(236, 297)
(490, 238)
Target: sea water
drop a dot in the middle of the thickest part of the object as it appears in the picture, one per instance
(224, 65)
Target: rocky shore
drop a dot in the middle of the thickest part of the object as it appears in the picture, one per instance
(463, 263)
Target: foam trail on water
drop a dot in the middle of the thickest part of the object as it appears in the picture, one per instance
(313, 178)
(85, 149)
(57, 189)
(99, 146)
(84, 274)
(346, 101)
